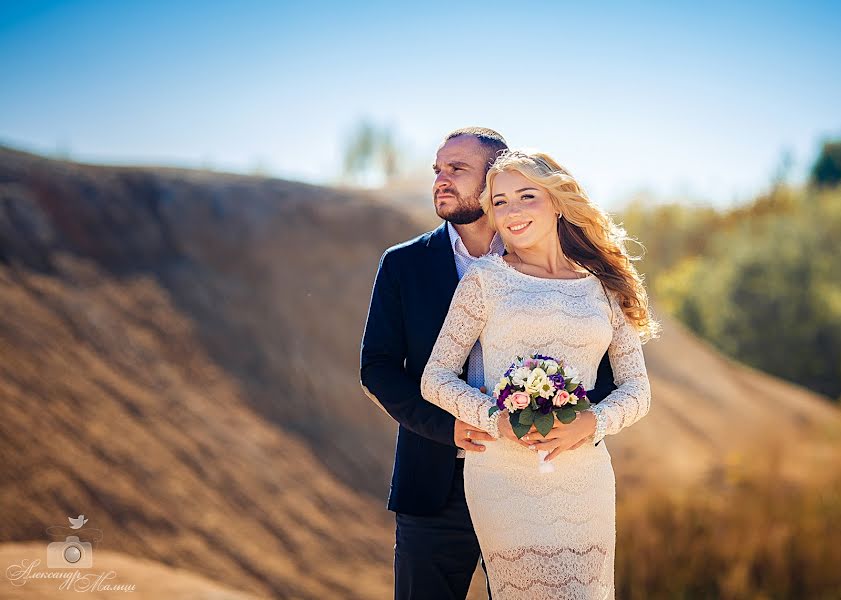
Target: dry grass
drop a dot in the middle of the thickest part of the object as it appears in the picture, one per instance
(748, 532)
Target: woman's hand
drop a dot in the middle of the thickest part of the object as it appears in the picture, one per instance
(563, 437)
(504, 424)
(506, 431)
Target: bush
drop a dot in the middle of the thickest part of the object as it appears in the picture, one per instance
(761, 282)
(826, 171)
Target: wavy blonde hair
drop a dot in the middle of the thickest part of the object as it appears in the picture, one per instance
(587, 234)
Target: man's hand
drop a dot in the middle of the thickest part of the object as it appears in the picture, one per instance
(564, 437)
(466, 436)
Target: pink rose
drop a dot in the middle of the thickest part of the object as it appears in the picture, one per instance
(561, 398)
(520, 400)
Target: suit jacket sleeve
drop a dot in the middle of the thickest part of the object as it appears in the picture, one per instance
(382, 363)
(604, 382)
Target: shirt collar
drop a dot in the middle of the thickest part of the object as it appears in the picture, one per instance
(497, 247)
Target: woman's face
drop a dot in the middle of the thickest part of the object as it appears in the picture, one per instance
(523, 211)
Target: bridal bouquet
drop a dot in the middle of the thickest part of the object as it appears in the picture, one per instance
(537, 389)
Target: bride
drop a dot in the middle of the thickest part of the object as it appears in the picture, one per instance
(566, 289)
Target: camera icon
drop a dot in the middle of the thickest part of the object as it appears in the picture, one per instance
(69, 554)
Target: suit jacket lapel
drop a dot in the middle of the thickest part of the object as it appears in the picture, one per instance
(446, 275)
(444, 263)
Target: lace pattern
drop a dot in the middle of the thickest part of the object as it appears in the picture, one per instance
(630, 401)
(543, 535)
(513, 313)
(553, 572)
(440, 383)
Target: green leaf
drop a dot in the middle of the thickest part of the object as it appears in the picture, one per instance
(526, 417)
(544, 423)
(580, 405)
(492, 410)
(566, 415)
(519, 430)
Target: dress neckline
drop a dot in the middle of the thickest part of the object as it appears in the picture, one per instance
(512, 268)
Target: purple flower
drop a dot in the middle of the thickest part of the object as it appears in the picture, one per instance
(544, 405)
(580, 391)
(500, 402)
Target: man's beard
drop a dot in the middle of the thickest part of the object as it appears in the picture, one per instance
(464, 213)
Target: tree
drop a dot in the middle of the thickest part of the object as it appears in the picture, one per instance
(371, 153)
(826, 172)
(766, 291)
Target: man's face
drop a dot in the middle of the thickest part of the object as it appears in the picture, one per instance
(459, 180)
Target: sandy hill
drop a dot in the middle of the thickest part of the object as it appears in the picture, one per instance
(179, 361)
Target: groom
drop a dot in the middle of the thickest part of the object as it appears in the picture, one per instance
(436, 550)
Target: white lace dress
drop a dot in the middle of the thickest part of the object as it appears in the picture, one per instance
(543, 535)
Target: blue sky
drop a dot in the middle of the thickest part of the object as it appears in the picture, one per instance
(678, 99)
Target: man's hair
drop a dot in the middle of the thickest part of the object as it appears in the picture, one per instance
(491, 141)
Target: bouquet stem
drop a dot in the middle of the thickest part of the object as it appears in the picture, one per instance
(545, 467)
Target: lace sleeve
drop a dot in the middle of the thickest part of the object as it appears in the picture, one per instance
(440, 383)
(630, 401)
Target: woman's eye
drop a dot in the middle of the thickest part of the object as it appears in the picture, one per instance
(526, 197)
(499, 202)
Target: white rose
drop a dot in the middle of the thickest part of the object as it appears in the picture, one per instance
(537, 373)
(536, 381)
(519, 376)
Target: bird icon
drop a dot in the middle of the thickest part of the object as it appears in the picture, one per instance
(77, 522)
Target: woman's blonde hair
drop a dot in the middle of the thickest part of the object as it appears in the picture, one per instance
(588, 235)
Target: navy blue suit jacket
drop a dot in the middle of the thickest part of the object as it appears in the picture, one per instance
(412, 292)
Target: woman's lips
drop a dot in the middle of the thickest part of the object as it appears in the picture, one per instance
(519, 231)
